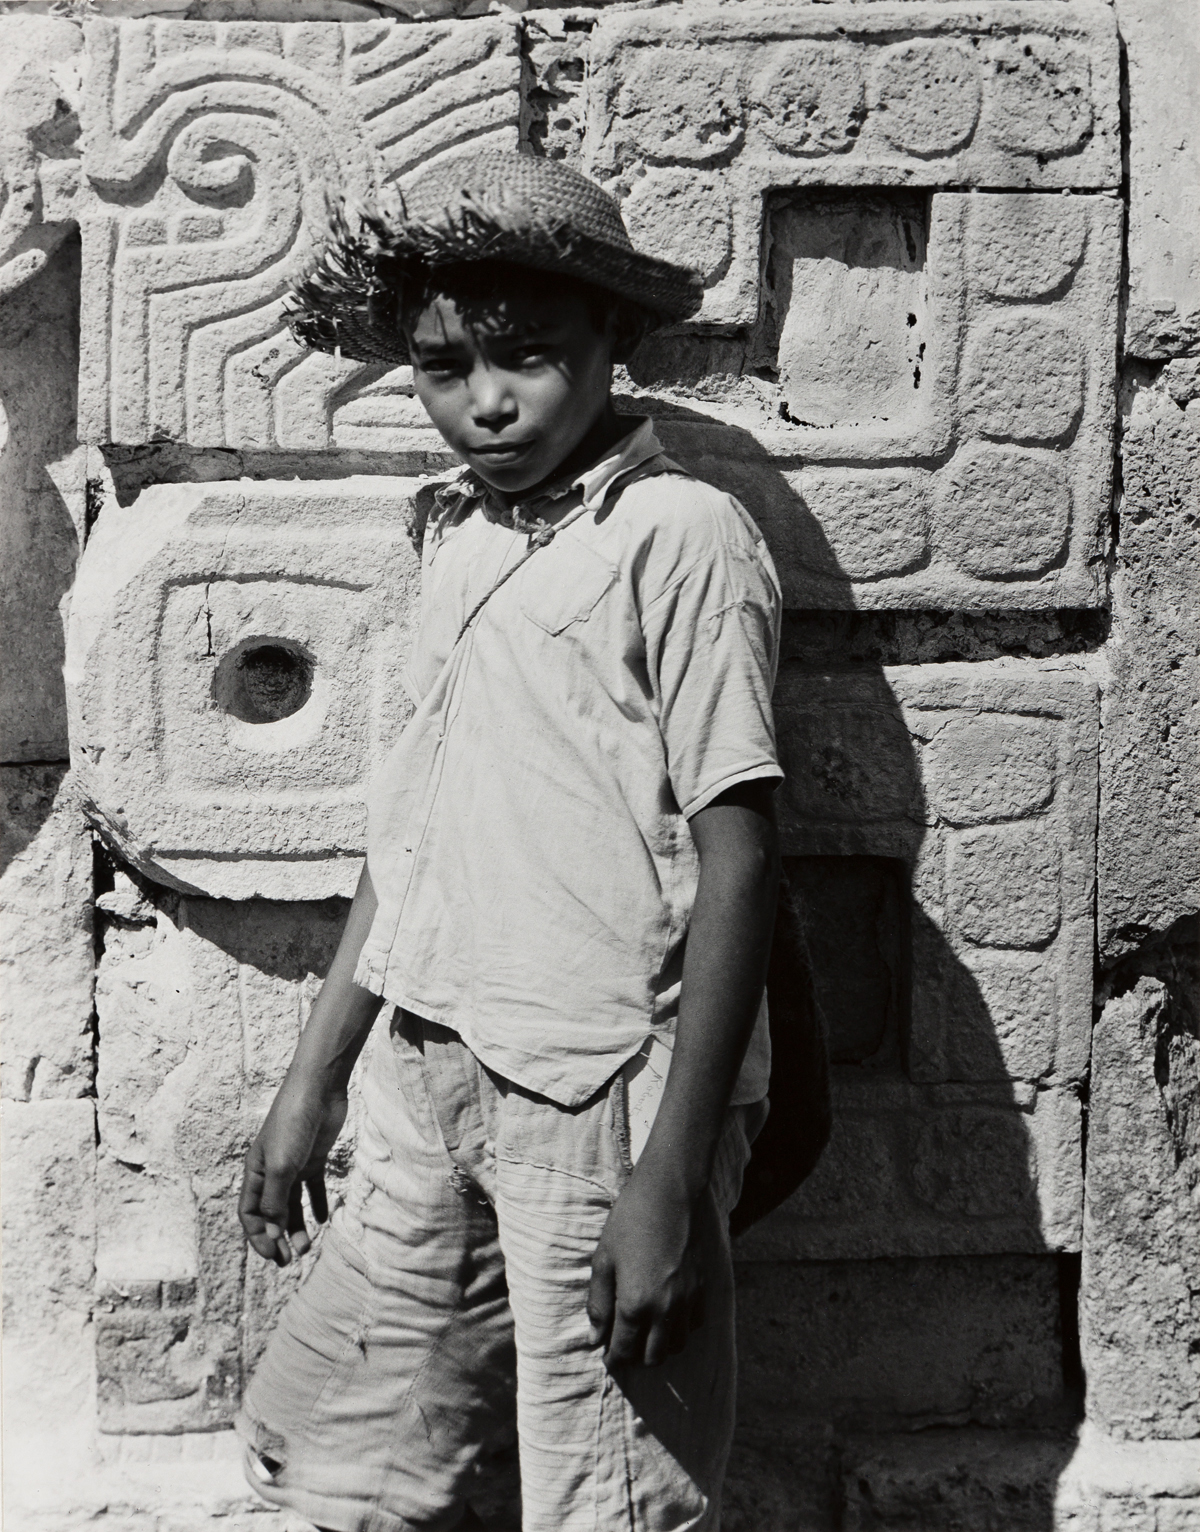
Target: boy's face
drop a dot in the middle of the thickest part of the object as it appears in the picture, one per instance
(515, 385)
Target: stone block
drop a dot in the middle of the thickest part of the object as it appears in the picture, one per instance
(894, 329)
(930, 1170)
(980, 779)
(896, 1344)
(40, 72)
(1162, 48)
(1149, 845)
(234, 676)
(924, 95)
(154, 1372)
(781, 1475)
(944, 1481)
(938, 827)
(199, 1009)
(209, 150)
(46, 955)
(859, 948)
(1139, 1308)
(49, 1208)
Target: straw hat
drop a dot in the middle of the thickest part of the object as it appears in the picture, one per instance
(488, 206)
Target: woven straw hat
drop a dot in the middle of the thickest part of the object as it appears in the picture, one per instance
(489, 206)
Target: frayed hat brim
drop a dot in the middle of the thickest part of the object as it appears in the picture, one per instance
(348, 301)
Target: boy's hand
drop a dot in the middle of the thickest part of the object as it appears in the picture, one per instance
(647, 1292)
(290, 1151)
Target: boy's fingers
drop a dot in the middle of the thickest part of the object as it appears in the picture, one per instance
(265, 1247)
(317, 1199)
(297, 1230)
(274, 1200)
(601, 1302)
(678, 1328)
(625, 1347)
(251, 1194)
(658, 1343)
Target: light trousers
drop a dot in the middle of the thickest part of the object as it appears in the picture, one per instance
(446, 1316)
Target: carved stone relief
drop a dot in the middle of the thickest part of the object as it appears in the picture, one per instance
(234, 674)
(211, 149)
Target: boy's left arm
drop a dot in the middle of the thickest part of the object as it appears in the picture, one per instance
(646, 1291)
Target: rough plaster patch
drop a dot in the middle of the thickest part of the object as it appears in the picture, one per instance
(46, 954)
(1139, 1305)
(1162, 46)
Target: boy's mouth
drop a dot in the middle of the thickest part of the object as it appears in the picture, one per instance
(502, 452)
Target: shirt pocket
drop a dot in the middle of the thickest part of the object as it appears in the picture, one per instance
(563, 584)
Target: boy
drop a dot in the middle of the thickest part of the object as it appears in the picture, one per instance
(567, 909)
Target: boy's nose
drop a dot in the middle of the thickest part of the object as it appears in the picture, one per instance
(491, 399)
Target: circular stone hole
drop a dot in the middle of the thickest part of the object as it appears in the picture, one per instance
(263, 680)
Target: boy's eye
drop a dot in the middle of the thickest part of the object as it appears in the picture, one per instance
(532, 353)
(441, 367)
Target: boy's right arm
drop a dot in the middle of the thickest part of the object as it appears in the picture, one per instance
(310, 1107)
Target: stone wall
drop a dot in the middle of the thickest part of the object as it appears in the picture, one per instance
(948, 357)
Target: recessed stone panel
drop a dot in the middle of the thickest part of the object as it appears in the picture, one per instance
(1024, 248)
(990, 767)
(234, 669)
(211, 148)
(875, 524)
(961, 346)
(926, 96)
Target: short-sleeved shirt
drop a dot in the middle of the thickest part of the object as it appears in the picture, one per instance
(528, 834)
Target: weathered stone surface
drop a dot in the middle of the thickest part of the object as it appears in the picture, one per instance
(189, 1482)
(1140, 1307)
(233, 133)
(918, 763)
(890, 333)
(840, 96)
(200, 1005)
(1162, 46)
(944, 1480)
(923, 1170)
(886, 1344)
(41, 495)
(1149, 854)
(40, 77)
(46, 954)
(49, 1161)
(1015, 1481)
(269, 624)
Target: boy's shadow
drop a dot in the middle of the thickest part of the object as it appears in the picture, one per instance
(835, 1342)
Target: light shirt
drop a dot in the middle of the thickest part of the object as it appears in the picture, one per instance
(527, 835)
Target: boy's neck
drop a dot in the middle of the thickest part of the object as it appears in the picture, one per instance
(605, 431)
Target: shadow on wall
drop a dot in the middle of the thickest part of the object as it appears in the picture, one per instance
(908, 1286)
(39, 349)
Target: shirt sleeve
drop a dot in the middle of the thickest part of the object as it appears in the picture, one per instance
(711, 620)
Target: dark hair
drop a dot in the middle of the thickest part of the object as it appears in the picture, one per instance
(481, 284)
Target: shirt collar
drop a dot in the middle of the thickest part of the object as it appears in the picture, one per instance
(593, 484)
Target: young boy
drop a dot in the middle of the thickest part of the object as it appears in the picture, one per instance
(566, 910)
